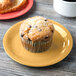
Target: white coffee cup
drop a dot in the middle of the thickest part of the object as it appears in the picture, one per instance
(65, 8)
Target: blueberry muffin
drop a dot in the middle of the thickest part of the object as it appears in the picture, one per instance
(36, 34)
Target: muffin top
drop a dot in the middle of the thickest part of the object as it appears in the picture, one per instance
(36, 29)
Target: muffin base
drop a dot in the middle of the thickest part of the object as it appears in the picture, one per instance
(36, 47)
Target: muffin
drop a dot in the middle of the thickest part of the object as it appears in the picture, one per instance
(36, 34)
(11, 5)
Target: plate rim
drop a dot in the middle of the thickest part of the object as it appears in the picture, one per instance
(56, 61)
(18, 15)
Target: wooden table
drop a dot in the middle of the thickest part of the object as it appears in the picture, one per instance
(67, 67)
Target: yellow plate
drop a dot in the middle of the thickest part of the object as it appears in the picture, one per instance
(61, 47)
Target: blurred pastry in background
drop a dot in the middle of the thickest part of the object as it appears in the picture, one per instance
(11, 5)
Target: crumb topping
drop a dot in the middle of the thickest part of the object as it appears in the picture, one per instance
(36, 27)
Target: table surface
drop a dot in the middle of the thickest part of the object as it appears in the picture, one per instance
(67, 67)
